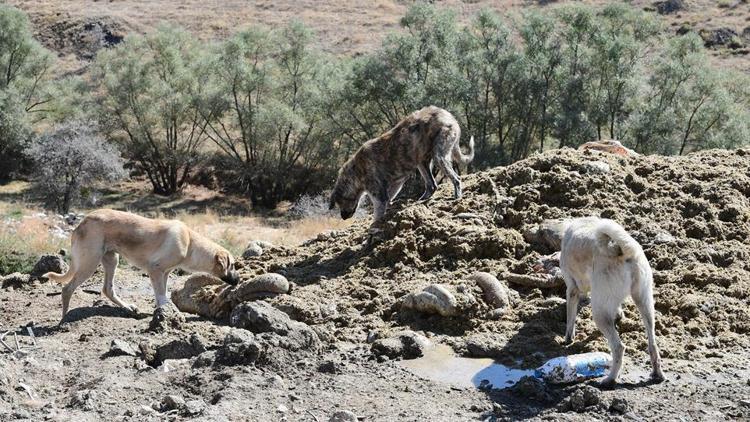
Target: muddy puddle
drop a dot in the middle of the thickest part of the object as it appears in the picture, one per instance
(441, 364)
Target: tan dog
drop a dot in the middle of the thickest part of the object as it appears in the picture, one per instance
(381, 165)
(156, 246)
(598, 255)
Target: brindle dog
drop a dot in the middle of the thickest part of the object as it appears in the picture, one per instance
(382, 165)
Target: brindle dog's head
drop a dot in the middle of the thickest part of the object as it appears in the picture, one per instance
(346, 194)
(224, 267)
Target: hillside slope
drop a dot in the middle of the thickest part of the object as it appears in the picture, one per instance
(75, 28)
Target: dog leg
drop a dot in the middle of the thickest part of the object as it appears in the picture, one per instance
(573, 296)
(159, 283)
(394, 190)
(85, 268)
(380, 203)
(109, 262)
(445, 166)
(645, 302)
(429, 181)
(605, 321)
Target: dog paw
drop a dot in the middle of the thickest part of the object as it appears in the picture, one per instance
(133, 309)
(657, 377)
(605, 384)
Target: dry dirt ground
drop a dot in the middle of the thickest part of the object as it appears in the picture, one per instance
(691, 215)
(76, 29)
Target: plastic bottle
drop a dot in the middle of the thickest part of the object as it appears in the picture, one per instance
(574, 368)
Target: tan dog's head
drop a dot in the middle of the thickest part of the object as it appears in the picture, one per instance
(346, 193)
(224, 267)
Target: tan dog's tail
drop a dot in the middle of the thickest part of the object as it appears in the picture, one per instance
(625, 246)
(60, 278)
(459, 157)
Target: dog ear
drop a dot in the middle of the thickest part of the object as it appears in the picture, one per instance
(222, 259)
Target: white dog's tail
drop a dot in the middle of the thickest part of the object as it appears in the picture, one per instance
(459, 157)
(624, 247)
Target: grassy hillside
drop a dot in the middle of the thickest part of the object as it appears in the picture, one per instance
(76, 28)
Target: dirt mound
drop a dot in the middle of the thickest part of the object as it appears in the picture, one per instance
(689, 213)
(83, 37)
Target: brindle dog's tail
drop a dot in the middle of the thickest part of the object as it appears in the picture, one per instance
(459, 157)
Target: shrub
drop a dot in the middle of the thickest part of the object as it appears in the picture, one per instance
(69, 158)
(24, 66)
(147, 97)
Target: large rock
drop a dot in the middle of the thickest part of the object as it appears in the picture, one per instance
(208, 296)
(261, 317)
(48, 263)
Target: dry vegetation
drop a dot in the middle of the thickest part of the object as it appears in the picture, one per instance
(343, 27)
(26, 233)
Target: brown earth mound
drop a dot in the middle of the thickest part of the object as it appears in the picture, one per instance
(689, 213)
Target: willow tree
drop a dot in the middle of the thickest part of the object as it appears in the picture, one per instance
(147, 99)
(24, 86)
(263, 100)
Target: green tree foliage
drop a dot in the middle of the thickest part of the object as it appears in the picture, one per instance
(690, 105)
(281, 116)
(147, 98)
(264, 104)
(24, 89)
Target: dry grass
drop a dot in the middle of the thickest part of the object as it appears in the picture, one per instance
(228, 220)
(235, 232)
(23, 238)
(343, 27)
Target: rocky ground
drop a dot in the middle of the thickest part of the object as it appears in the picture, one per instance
(354, 307)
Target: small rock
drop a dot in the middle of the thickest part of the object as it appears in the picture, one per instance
(121, 348)
(435, 299)
(663, 238)
(343, 416)
(16, 280)
(530, 387)
(282, 409)
(667, 7)
(596, 167)
(183, 348)
(194, 407)
(406, 345)
(48, 263)
(205, 359)
(252, 250)
(495, 292)
(619, 405)
(330, 367)
(239, 348)
(584, 397)
(166, 317)
(172, 402)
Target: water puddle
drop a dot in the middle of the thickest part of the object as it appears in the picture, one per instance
(440, 364)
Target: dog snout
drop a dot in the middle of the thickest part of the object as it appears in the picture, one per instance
(232, 278)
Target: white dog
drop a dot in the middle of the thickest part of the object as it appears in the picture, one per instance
(598, 255)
